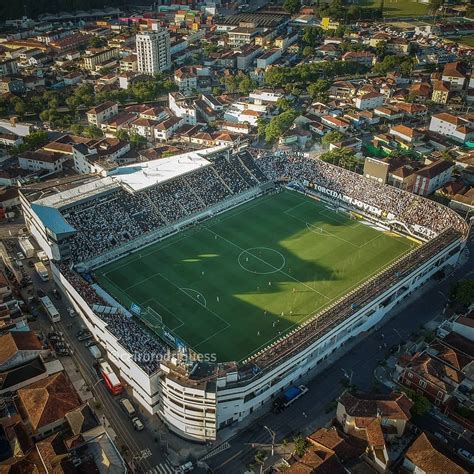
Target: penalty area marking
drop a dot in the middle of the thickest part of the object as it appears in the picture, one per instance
(201, 299)
(273, 268)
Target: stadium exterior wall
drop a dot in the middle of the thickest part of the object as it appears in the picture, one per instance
(236, 400)
(145, 387)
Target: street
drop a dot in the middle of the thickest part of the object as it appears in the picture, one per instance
(316, 408)
(143, 447)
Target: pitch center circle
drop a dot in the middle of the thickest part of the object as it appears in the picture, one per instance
(256, 259)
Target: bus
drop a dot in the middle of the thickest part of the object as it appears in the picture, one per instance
(42, 271)
(111, 380)
(53, 313)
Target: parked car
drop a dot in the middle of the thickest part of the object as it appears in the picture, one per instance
(71, 312)
(41, 293)
(465, 454)
(137, 424)
(84, 336)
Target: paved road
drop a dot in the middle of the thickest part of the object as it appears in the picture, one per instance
(134, 442)
(309, 412)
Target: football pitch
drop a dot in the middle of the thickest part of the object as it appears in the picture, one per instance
(235, 283)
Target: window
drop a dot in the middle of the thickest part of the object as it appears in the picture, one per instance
(422, 383)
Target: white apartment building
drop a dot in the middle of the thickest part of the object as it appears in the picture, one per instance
(455, 127)
(153, 51)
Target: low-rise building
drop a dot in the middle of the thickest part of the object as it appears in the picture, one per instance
(423, 457)
(369, 101)
(99, 114)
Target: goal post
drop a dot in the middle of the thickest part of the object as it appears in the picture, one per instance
(154, 321)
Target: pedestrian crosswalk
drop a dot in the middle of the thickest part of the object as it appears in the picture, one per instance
(217, 450)
(163, 468)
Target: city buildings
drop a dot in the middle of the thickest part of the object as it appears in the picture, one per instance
(153, 51)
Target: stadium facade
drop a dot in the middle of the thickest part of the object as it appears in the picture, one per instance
(194, 398)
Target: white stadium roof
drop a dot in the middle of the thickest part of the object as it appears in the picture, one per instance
(143, 175)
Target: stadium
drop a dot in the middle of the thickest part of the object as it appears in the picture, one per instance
(215, 278)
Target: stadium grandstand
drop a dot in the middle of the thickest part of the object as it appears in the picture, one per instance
(266, 263)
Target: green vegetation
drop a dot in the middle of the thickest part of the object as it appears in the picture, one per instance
(421, 405)
(466, 40)
(463, 292)
(305, 74)
(398, 8)
(31, 142)
(344, 158)
(239, 281)
(392, 62)
(279, 125)
(332, 137)
(292, 6)
(301, 445)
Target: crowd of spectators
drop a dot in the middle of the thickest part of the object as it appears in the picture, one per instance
(412, 210)
(146, 349)
(108, 222)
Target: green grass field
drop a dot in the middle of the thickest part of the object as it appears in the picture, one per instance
(241, 280)
(467, 40)
(398, 8)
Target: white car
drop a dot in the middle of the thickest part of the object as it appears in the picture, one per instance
(137, 424)
(71, 312)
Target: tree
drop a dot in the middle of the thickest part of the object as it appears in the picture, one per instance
(246, 85)
(92, 131)
(308, 51)
(122, 134)
(137, 140)
(20, 108)
(98, 42)
(421, 405)
(463, 292)
(332, 137)
(292, 6)
(284, 104)
(77, 129)
(301, 445)
(279, 125)
(343, 157)
(261, 126)
(319, 89)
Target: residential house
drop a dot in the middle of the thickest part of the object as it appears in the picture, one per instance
(165, 129)
(455, 74)
(8, 67)
(99, 114)
(335, 123)
(19, 347)
(374, 419)
(423, 457)
(182, 108)
(370, 101)
(440, 93)
(458, 128)
(268, 57)
(364, 58)
(129, 63)
(432, 177)
(241, 36)
(44, 404)
(436, 373)
(11, 85)
(42, 160)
